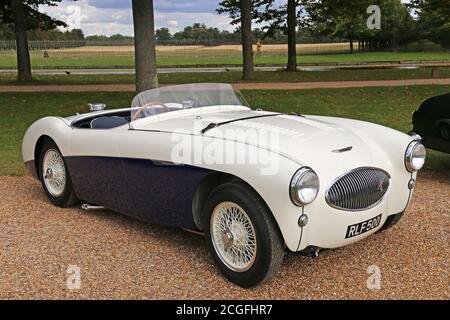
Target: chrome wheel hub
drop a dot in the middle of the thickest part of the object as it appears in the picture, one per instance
(233, 236)
(228, 239)
(54, 172)
(49, 174)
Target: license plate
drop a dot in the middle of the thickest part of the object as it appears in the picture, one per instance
(362, 227)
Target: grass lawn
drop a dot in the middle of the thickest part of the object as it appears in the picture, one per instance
(8, 59)
(387, 106)
(234, 77)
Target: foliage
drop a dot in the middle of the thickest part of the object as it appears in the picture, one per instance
(114, 37)
(198, 31)
(163, 34)
(339, 18)
(35, 19)
(346, 19)
(276, 17)
(40, 26)
(434, 18)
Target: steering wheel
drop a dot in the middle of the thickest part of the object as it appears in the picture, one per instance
(149, 105)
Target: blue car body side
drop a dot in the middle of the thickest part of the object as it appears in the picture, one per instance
(149, 190)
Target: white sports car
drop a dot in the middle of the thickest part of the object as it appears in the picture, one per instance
(256, 183)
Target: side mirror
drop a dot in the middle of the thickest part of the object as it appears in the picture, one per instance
(97, 106)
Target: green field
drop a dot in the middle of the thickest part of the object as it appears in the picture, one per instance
(8, 59)
(235, 77)
(387, 106)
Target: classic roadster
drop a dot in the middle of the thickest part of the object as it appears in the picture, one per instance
(256, 183)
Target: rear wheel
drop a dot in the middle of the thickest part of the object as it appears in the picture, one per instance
(242, 236)
(54, 176)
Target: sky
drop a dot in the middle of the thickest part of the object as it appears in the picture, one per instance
(108, 17)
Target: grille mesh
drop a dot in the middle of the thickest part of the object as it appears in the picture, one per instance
(359, 189)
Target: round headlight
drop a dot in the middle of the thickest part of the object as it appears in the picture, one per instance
(415, 156)
(304, 186)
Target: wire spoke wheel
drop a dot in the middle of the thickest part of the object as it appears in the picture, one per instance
(54, 172)
(233, 236)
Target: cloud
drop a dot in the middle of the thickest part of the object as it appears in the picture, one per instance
(176, 21)
(173, 23)
(191, 6)
(110, 4)
(109, 17)
(161, 5)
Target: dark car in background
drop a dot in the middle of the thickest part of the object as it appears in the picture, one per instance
(432, 122)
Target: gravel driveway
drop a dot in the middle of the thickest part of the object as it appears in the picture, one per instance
(120, 258)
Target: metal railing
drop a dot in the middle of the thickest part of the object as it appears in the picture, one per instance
(170, 48)
(202, 48)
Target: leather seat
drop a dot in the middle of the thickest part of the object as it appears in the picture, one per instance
(108, 122)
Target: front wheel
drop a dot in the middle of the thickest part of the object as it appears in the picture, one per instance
(54, 176)
(242, 235)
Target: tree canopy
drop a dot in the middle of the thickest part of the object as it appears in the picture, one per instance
(434, 18)
(346, 19)
(317, 20)
(35, 20)
(163, 34)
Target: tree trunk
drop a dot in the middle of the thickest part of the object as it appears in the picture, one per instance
(247, 38)
(20, 28)
(292, 41)
(144, 45)
(351, 45)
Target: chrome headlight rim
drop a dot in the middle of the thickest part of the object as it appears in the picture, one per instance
(294, 186)
(410, 153)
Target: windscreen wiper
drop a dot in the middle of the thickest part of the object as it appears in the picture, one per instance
(213, 125)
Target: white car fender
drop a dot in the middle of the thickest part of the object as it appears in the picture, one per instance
(54, 127)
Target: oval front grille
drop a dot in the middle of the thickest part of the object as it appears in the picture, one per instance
(359, 189)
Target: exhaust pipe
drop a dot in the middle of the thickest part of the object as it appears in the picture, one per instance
(88, 207)
(194, 232)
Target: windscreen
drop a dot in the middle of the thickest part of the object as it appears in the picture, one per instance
(187, 96)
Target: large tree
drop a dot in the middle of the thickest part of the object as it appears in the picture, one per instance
(144, 43)
(243, 12)
(292, 34)
(347, 19)
(338, 18)
(397, 26)
(25, 16)
(163, 34)
(285, 18)
(434, 19)
(278, 18)
(247, 38)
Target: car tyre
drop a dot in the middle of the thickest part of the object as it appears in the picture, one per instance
(242, 235)
(54, 176)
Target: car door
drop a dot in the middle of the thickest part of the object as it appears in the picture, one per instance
(161, 190)
(96, 168)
